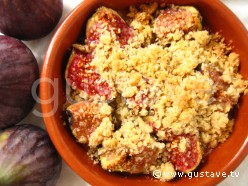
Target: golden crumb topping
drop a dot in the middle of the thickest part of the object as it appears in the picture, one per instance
(159, 89)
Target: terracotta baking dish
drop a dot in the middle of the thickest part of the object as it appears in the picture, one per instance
(224, 158)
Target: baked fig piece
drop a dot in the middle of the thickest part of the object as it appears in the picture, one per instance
(141, 99)
(177, 18)
(28, 157)
(18, 71)
(221, 87)
(81, 76)
(125, 161)
(106, 19)
(185, 153)
(84, 117)
(130, 149)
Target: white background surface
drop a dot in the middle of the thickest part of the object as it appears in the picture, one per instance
(68, 177)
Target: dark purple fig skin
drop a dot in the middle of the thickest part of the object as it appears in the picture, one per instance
(18, 71)
(28, 157)
(29, 19)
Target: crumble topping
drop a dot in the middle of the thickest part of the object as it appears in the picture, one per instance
(153, 91)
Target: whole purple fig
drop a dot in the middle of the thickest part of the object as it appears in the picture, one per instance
(28, 157)
(28, 19)
(18, 71)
